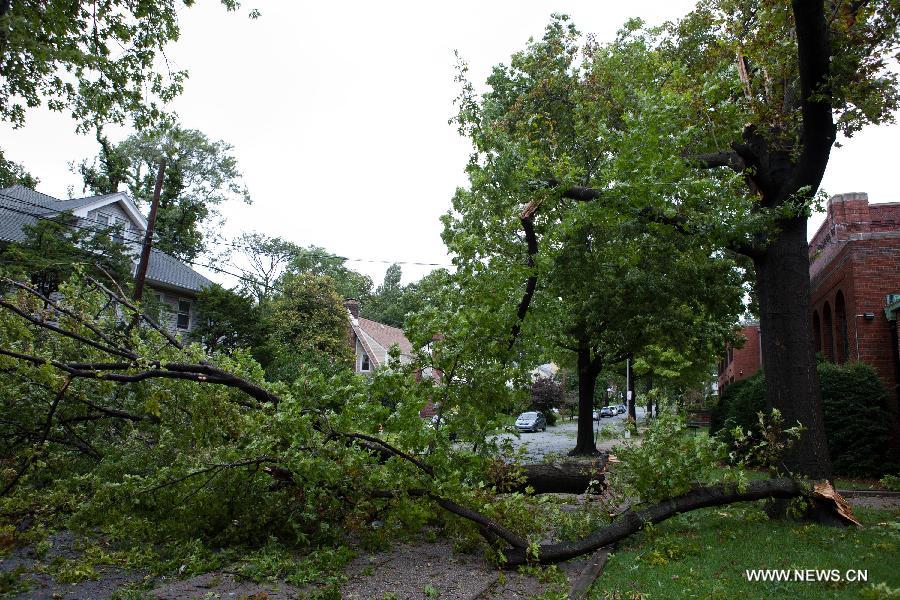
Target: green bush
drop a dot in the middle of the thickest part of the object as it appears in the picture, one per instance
(853, 403)
(739, 404)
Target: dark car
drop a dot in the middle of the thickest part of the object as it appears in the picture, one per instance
(531, 421)
(620, 409)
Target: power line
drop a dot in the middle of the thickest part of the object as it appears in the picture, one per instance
(214, 268)
(234, 245)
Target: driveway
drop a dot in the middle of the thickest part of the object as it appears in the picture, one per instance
(560, 438)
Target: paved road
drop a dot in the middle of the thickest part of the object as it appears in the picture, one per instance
(560, 438)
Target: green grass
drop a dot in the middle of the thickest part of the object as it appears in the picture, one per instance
(843, 483)
(704, 554)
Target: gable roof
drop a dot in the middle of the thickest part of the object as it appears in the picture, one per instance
(378, 338)
(20, 206)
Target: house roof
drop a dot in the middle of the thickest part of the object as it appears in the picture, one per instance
(385, 335)
(168, 271)
(378, 338)
(20, 206)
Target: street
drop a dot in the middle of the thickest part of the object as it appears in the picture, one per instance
(560, 438)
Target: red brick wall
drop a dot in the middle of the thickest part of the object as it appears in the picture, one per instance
(856, 254)
(740, 363)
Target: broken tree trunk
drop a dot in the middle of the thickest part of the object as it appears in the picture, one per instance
(563, 478)
(633, 521)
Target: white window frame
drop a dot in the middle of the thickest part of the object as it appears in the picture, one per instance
(181, 313)
(365, 363)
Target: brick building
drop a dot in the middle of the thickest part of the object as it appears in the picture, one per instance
(855, 292)
(855, 279)
(741, 362)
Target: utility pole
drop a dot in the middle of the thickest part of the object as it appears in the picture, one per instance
(141, 274)
(629, 389)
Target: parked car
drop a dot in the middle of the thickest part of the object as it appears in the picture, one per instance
(596, 415)
(608, 411)
(531, 421)
(620, 409)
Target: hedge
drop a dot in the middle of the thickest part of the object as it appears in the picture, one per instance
(856, 420)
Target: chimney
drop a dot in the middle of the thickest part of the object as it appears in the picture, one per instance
(849, 214)
(352, 305)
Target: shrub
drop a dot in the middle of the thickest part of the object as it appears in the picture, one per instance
(723, 410)
(853, 403)
(546, 394)
(739, 404)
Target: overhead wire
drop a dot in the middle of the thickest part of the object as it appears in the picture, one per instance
(159, 238)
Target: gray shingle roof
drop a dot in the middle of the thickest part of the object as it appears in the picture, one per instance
(167, 270)
(20, 206)
(29, 200)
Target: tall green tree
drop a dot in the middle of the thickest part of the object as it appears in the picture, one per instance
(392, 301)
(201, 175)
(780, 81)
(309, 326)
(318, 261)
(12, 173)
(262, 261)
(602, 279)
(229, 319)
(96, 60)
(757, 89)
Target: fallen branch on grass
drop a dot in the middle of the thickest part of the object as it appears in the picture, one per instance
(823, 495)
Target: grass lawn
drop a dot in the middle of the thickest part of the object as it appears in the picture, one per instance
(704, 554)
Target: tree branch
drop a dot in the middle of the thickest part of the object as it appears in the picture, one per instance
(713, 160)
(527, 220)
(632, 522)
(819, 132)
(199, 373)
(48, 422)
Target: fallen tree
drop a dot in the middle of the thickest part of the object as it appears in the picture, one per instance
(316, 461)
(633, 521)
(563, 478)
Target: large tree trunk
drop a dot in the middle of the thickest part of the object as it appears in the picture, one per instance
(792, 383)
(563, 478)
(587, 382)
(633, 521)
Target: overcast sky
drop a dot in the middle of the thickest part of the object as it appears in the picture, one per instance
(338, 115)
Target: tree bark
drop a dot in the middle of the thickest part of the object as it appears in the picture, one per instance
(563, 478)
(587, 382)
(788, 356)
(633, 521)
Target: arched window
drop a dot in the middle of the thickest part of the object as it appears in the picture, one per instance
(840, 315)
(817, 332)
(827, 333)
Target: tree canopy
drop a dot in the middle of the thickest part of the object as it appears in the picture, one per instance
(98, 61)
(201, 175)
(607, 278)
